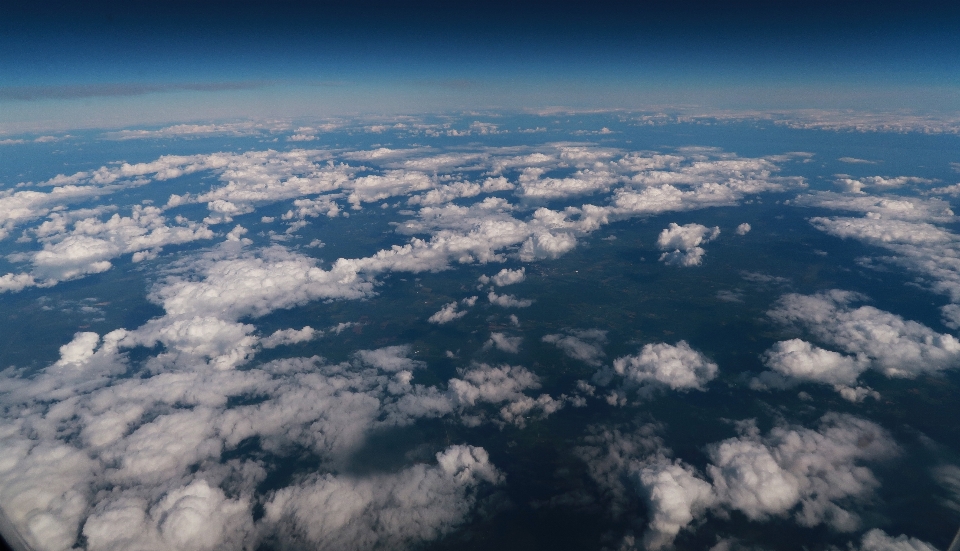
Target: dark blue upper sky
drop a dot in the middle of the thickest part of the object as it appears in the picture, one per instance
(185, 59)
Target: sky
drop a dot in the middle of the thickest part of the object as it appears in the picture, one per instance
(110, 64)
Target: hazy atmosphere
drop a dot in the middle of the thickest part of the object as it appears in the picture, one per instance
(388, 275)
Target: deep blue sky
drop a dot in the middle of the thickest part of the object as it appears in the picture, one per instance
(115, 63)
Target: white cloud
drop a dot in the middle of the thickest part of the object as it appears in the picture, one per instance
(686, 237)
(91, 244)
(154, 430)
(675, 496)
(685, 241)
(253, 284)
(814, 476)
(878, 540)
(505, 343)
(43, 490)
(195, 517)
(16, 282)
(584, 345)
(856, 185)
(390, 358)
(902, 208)
(447, 314)
(892, 345)
(918, 246)
(391, 510)
(290, 336)
(881, 231)
(248, 128)
(501, 385)
(743, 229)
(802, 360)
(509, 277)
(660, 365)
(687, 258)
(769, 476)
(508, 301)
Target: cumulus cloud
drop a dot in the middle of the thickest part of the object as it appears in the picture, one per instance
(856, 185)
(290, 336)
(658, 366)
(796, 361)
(155, 425)
(508, 301)
(247, 128)
(447, 314)
(790, 467)
(584, 345)
(917, 245)
(743, 229)
(815, 476)
(878, 540)
(502, 342)
(883, 341)
(901, 208)
(390, 358)
(685, 241)
(509, 277)
(675, 496)
(391, 510)
(501, 385)
(89, 246)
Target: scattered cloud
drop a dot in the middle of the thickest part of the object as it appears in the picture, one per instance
(584, 345)
(658, 366)
(685, 241)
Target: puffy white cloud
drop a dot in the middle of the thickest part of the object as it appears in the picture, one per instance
(246, 128)
(509, 277)
(743, 229)
(390, 358)
(253, 284)
(685, 241)
(584, 182)
(675, 496)
(508, 301)
(16, 282)
(803, 361)
(856, 185)
(136, 446)
(43, 490)
(816, 476)
(878, 540)
(584, 345)
(657, 366)
(290, 336)
(771, 475)
(951, 315)
(795, 361)
(686, 236)
(391, 510)
(447, 314)
(892, 345)
(502, 342)
(195, 517)
(918, 246)
(687, 258)
(877, 230)
(91, 244)
(312, 208)
(903, 208)
(501, 385)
